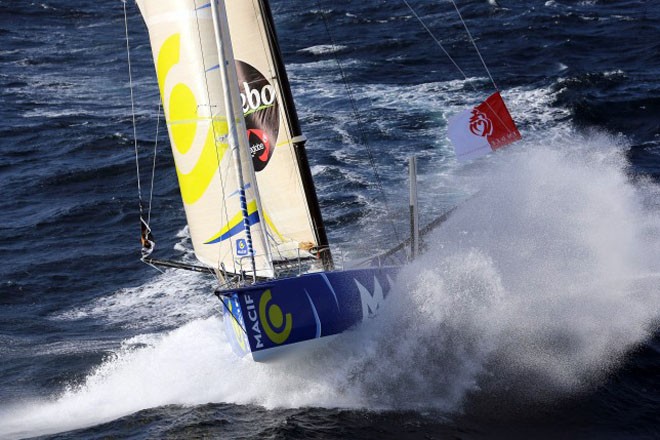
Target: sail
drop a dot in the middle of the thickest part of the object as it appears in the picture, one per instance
(228, 220)
(284, 192)
(221, 208)
(186, 58)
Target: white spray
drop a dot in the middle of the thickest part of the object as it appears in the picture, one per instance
(537, 286)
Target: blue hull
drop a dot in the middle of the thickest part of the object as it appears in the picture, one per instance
(265, 319)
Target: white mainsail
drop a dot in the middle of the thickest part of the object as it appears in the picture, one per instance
(186, 57)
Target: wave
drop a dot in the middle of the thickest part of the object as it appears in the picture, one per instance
(535, 288)
(324, 49)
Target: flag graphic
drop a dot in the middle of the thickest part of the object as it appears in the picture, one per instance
(478, 131)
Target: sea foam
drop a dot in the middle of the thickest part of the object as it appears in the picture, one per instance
(535, 288)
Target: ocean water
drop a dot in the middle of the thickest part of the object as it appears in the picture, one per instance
(533, 313)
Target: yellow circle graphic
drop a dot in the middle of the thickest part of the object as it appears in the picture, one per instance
(272, 316)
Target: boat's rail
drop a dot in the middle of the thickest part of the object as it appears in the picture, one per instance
(299, 261)
(294, 262)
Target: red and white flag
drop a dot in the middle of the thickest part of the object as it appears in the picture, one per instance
(478, 131)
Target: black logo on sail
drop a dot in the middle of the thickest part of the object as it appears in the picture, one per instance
(262, 118)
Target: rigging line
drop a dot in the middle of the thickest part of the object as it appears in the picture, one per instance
(363, 138)
(440, 45)
(474, 44)
(307, 186)
(153, 165)
(452, 59)
(266, 45)
(213, 130)
(148, 263)
(130, 83)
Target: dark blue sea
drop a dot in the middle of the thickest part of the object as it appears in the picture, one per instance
(534, 311)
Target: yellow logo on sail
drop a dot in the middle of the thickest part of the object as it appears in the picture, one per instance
(236, 224)
(182, 116)
(276, 325)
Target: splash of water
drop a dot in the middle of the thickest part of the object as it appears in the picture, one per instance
(535, 287)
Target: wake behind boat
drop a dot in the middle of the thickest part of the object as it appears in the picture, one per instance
(245, 181)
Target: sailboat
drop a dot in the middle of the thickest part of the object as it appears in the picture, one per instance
(247, 189)
(245, 181)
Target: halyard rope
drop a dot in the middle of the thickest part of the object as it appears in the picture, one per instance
(474, 44)
(145, 235)
(130, 84)
(363, 138)
(443, 48)
(153, 165)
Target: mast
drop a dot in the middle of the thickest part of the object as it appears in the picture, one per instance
(236, 124)
(298, 139)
